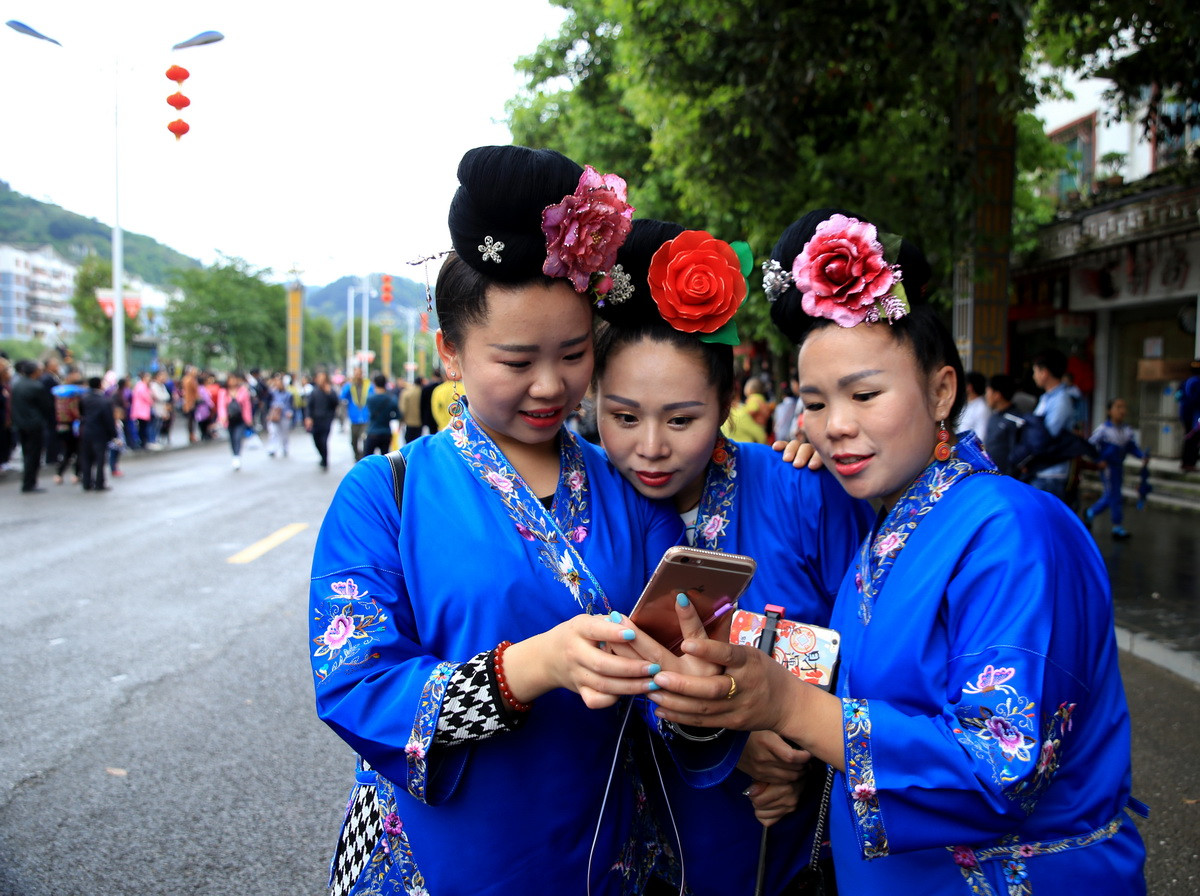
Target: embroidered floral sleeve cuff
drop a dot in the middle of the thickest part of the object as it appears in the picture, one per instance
(860, 779)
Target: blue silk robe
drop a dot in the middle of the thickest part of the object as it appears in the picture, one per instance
(803, 530)
(397, 602)
(986, 731)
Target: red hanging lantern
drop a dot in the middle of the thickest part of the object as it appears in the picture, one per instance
(386, 291)
(133, 304)
(106, 304)
(178, 74)
(179, 101)
(178, 127)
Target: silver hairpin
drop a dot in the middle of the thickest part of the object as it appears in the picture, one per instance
(491, 249)
(776, 280)
(622, 286)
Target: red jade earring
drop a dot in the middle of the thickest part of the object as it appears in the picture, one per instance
(942, 450)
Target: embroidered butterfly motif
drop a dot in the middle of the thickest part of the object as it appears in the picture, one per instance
(991, 677)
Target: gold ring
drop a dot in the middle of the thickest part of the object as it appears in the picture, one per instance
(732, 687)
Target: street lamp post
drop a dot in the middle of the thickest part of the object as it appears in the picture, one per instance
(118, 238)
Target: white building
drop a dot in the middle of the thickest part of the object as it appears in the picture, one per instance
(36, 286)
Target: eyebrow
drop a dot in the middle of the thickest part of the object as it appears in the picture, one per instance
(673, 406)
(842, 382)
(533, 348)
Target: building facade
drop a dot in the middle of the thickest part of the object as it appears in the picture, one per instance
(1115, 281)
(36, 286)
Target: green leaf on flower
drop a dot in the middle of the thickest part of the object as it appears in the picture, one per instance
(723, 335)
(745, 256)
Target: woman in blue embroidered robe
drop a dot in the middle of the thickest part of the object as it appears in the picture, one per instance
(662, 395)
(498, 772)
(979, 731)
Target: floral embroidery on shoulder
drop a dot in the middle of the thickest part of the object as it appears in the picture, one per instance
(716, 503)
(352, 622)
(860, 777)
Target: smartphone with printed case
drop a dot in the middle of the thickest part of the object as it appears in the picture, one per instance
(712, 581)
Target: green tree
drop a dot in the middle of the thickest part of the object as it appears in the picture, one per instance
(320, 343)
(228, 311)
(95, 327)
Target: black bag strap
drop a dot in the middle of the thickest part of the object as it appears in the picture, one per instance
(399, 466)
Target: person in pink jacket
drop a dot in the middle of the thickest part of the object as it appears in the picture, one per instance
(141, 409)
(234, 413)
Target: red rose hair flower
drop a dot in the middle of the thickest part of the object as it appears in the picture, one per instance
(697, 282)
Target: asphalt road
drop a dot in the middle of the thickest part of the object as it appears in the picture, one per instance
(156, 726)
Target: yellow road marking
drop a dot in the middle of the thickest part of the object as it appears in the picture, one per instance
(274, 540)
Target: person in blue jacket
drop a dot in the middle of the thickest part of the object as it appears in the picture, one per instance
(978, 732)
(459, 640)
(1114, 439)
(663, 390)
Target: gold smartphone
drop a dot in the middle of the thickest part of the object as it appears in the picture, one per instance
(713, 582)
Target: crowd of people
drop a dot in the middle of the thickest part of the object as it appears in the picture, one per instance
(76, 428)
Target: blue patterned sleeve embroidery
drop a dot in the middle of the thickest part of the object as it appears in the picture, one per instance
(424, 727)
(860, 778)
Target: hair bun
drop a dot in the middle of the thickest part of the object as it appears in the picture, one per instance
(639, 307)
(788, 314)
(502, 193)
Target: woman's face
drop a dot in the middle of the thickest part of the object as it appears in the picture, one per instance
(527, 366)
(869, 410)
(659, 417)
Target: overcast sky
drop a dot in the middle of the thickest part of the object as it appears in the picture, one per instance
(323, 135)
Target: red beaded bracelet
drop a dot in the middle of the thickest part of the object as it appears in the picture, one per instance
(505, 691)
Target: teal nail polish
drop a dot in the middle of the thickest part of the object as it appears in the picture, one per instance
(652, 687)
(682, 599)
(653, 669)
(614, 616)
(628, 634)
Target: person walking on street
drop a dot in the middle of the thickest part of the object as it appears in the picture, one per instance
(279, 417)
(323, 406)
(1189, 416)
(141, 410)
(235, 413)
(189, 394)
(66, 421)
(163, 409)
(355, 394)
(410, 407)
(382, 409)
(97, 428)
(51, 376)
(1057, 410)
(32, 415)
(7, 442)
(1114, 438)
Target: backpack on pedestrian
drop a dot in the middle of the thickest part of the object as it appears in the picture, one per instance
(1036, 449)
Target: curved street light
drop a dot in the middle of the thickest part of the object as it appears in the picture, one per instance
(118, 244)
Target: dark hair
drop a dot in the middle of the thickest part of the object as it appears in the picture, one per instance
(977, 381)
(637, 318)
(94, 382)
(1053, 360)
(502, 193)
(1005, 384)
(380, 381)
(922, 328)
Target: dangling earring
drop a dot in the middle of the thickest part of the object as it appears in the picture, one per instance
(942, 450)
(456, 406)
(720, 455)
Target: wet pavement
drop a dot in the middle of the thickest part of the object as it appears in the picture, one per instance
(1155, 577)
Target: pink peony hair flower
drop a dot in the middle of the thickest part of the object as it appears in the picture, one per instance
(841, 274)
(585, 230)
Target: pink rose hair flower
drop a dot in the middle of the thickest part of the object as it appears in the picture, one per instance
(585, 230)
(841, 274)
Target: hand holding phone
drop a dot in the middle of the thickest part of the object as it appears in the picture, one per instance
(712, 581)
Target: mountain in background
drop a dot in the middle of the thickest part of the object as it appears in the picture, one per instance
(330, 301)
(29, 223)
